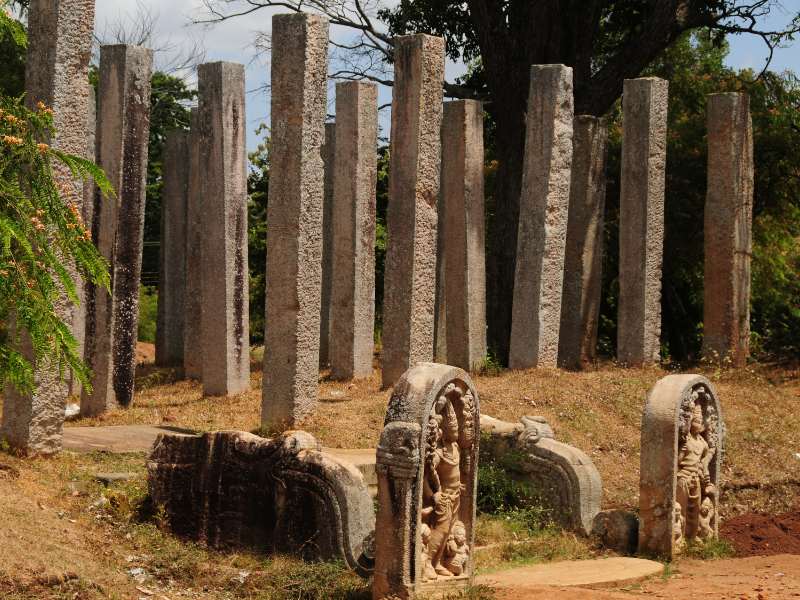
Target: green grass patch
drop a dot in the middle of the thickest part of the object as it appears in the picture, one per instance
(712, 549)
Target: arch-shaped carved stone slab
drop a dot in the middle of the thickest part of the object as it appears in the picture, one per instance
(682, 443)
(427, 465)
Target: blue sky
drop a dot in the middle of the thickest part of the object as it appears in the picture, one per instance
(233, 41)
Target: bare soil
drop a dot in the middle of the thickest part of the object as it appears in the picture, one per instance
(763, 534)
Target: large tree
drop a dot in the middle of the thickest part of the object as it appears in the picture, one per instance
(604, 41)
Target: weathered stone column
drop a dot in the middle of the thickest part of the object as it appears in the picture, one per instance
(583, 259)
(728, 229)
(193, 298)
(463, 233)
(641, 220)
(172, 275)
(223, 169)
(544, 206)
(123, 128)
(329, 162)
(59, 48)
(352, 316)
(294, 243)
(410, 280)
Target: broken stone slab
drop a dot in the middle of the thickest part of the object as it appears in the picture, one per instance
(233, 489)
(682, 443)
(569, 483)
(427, 466)
(617, 530)
(111, 478)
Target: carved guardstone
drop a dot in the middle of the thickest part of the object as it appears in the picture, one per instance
(682, 443)
(427, 464)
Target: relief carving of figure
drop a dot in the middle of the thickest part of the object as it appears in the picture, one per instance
(443, 536)
(695, 492)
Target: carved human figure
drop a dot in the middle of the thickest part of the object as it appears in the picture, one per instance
(428, 572)
(693, 479)
(706, 525)
(677, 528)
(457, 550)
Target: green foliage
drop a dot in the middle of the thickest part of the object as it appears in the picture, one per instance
(381, 205)
(13, 44)
(148, 314)
(41, 234)
(712, 549)
(258, 191)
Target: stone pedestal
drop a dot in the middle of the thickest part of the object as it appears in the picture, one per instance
(427, 465)
(583, 259)
(123, 127)
(641, 220)
(294, 214)
(462, 234)
(193, 292)
(172, 274)
(728, 229)
(225, 279)
(410, 280)
(352, 316)
(59, 49)
(329, 165)
(681, 462)
(544, 206)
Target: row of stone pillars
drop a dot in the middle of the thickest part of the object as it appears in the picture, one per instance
(436, 208)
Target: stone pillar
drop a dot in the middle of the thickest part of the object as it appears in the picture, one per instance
(225, 279)
(583, 259)
(641, 220)
(328, 159)
(172, 258)
(193, 298)
(294, 214)
(410, 280)
(59, 48)
(728, 229)
(462, 233)
(352, 316)
(440, 310)
(544, 206)
(123, 128)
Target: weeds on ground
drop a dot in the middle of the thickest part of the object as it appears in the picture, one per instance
(711, 549)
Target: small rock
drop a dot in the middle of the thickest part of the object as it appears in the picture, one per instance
(617, 530)
(138, 574)
(109, 478)
(72, 412)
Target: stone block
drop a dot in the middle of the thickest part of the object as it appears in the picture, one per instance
(728, 230)
(427, 465)
(329, 166)
(193, 298)
(352, 316)
(462, 234)
(56, 73)
(172, 271)
(583, 259)
(123, 127)
(294, 214)
(681, 463)
(410, 271)
(232, 489)
(641, 220)
(544, 208)
(225, 279)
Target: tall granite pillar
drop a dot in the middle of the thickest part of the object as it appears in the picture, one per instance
(462, 233)
(59, 49)
(728, 229)
(641, 220)
(172, 258)
(225, 278)
(410, 280)
(329, 162)
(352, 316)
(193, 291)
(123, 127)
(544, 206)
(583, 259)
(294, 214)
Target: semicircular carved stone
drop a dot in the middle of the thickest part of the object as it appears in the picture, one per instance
(427, 465)
(682, 445)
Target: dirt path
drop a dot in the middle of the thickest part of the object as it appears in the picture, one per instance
(754, 578)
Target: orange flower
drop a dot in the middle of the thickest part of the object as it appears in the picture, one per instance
(43, 148)
(12, 140)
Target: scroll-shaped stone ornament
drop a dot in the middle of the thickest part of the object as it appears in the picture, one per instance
(427, 465)
(682, 443)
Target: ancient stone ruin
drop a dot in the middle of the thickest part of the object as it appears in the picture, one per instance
(681, 459)
(283, 494)
(427, 464)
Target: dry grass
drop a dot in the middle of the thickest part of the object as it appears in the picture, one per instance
(598, 411)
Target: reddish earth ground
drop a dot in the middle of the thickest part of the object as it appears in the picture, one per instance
(763, 535)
